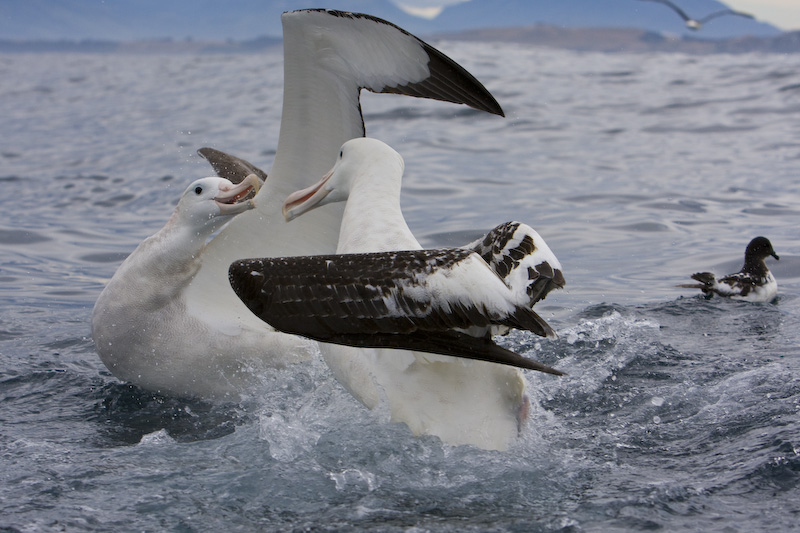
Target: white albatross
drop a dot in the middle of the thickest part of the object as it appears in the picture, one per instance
(329, 56)
(143, 308)
(462, 402)
(753, 283)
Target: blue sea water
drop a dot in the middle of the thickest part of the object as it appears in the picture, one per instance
(677, 413)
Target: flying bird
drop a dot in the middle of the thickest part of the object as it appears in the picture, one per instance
(696, 24)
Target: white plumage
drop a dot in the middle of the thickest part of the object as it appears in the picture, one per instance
(142, 325)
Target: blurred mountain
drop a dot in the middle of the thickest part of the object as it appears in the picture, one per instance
(215, 20)
(628, 40)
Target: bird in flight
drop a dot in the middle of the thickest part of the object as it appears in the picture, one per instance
(696, 24)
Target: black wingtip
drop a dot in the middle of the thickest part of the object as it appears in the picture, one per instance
(485, 349)
(528, 319)
(452, 343)
(449, 82)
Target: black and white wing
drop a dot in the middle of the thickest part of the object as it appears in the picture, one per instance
(415, 300)
(445, 79)
(519, 255)
(681, 13)
(739, 284)
(723, 13)
(708, 284)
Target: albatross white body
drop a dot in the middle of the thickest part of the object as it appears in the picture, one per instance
(461, 401)
(143, 328)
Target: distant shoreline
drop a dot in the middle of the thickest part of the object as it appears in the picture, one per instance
(580, 39)
(157, 46)
(629, 40)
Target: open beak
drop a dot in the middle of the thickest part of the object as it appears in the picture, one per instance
(307, 199)
(238, 198)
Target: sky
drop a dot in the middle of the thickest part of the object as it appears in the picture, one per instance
(785, 14)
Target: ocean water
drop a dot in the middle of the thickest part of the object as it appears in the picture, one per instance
(678, 413)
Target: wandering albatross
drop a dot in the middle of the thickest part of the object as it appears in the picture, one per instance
(147, 293)
(329, 56)
(753, 283)
(463, 402)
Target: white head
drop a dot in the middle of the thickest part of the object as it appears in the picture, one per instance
(208, 203)
(360, 157)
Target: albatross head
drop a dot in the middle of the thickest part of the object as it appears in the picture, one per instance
(209, 202)
(358, 157)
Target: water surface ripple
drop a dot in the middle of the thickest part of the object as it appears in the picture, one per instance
(677, 413)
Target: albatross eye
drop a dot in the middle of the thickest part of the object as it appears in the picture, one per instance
(198, 190)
